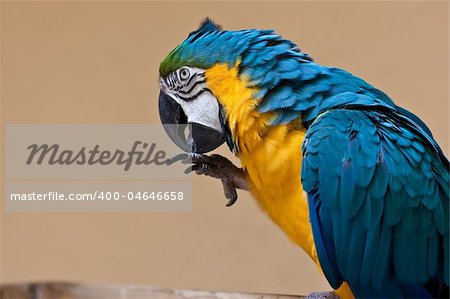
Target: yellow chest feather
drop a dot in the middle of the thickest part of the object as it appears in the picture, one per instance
(274, 169)
(270, 155)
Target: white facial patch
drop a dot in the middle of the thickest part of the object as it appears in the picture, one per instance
(187, 86)
(203, 110)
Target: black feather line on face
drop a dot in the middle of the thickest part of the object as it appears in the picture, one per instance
(192, 87)
(191, 98)
(192, 78)
(179, 88)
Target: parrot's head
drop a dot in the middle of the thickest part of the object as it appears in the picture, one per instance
(185, 98)
(207, 67)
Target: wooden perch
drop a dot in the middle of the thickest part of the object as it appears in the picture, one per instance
(91, 291)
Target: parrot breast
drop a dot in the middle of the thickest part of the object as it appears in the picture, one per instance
(271, 155)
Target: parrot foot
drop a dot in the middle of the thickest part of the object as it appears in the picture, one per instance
(218, 167)
(322, 295)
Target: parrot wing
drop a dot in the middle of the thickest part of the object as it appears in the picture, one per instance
(378, 194)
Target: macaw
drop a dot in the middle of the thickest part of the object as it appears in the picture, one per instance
(355, 180)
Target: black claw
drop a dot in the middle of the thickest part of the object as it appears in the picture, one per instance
(189, 169)
(198, 168)
(231, 202)
(202, 169)
(230, 192)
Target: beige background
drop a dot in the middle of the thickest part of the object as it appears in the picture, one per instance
(97, 62)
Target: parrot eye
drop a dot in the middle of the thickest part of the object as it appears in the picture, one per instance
(184, 74)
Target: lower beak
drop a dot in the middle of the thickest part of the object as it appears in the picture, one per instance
(190, 137)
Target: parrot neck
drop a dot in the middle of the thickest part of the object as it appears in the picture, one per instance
(245, 123)
(271, 155)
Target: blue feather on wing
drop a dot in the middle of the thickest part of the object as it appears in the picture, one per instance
(387, 238)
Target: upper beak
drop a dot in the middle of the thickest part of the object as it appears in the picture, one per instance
(190, 137)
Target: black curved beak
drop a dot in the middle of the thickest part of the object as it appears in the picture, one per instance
(190, 137)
